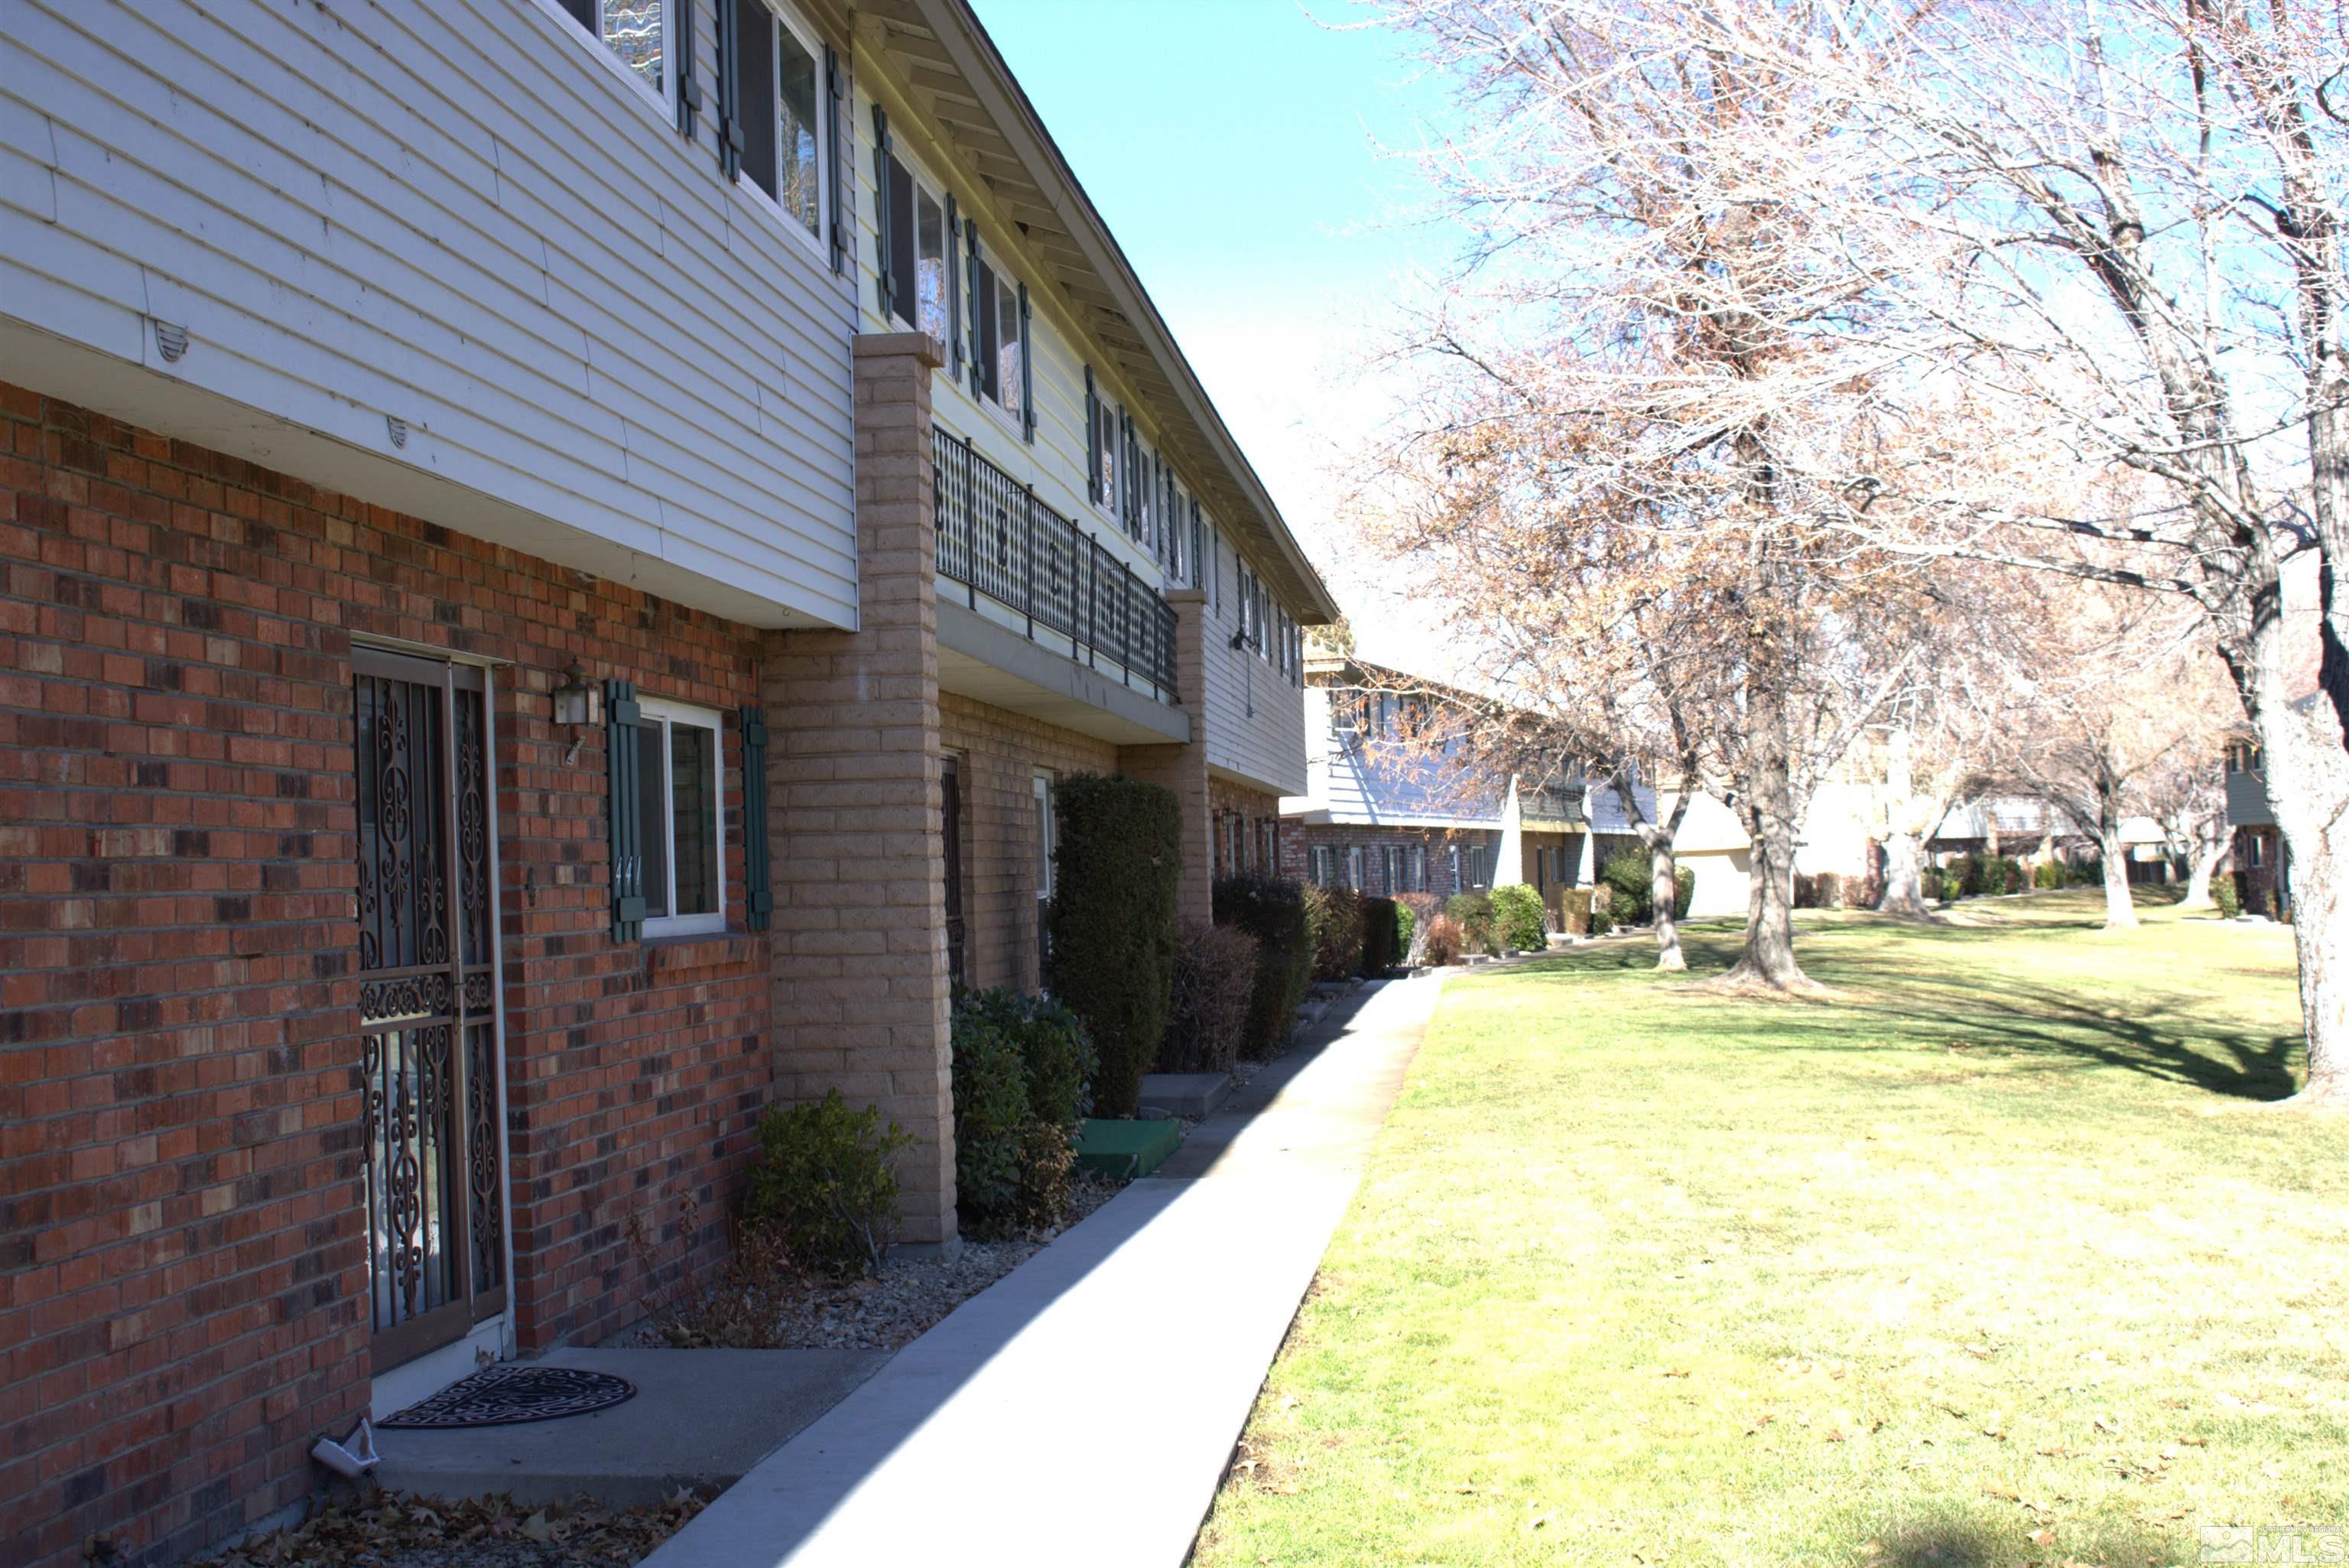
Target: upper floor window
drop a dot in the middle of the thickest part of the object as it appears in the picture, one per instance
(779, 108)
(635, 33)
(999, 309)
(930, 268)
(1101, 437)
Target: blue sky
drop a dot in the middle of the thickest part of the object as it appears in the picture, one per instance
(1234, 148)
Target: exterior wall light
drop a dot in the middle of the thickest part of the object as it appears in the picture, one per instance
(579, 704)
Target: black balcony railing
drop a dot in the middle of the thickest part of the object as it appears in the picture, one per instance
(995, 538)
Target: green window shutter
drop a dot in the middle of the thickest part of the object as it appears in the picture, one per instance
(979, 307)
(1092, 438)
(759, 897)
(954, 291)
(884, 269)
(1026, 374)
(621, 738)
(835, 86)
(689, 84)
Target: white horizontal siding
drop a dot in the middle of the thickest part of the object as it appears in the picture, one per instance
(452, 212)
(1255, 717)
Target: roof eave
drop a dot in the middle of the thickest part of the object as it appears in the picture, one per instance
(959, 31)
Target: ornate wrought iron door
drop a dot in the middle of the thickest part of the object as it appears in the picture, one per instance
(428, 1055)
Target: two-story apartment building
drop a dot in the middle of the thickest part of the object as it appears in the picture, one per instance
(553, 552)
(2258, 854)
(1397, 802)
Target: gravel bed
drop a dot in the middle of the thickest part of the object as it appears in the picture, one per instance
(906, 1298)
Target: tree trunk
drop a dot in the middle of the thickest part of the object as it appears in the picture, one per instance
(2120, 911)
(1664, 888)
(1768, 960)
(2308, 784)
(1904, 878)
(2208, 857)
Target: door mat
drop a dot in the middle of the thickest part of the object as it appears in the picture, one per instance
(512, 1392)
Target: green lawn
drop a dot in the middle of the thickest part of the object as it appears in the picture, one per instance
(1993, 1259)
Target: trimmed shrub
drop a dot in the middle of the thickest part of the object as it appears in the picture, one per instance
(1055, 1050)
(1406, 928)
(1473, 913)
(1950, 881)
(1518, 918)
(1273, 913)
(991, 1101)
(1207, 1015)
(1048, 1164)
(1684, 891)
(1444, 943)
(2227, 891)
(1380, 949)
(2047, 876)
(1336, 913)
(1632, 876)
(1113, 923)
(825, 1184)
(1574, 911)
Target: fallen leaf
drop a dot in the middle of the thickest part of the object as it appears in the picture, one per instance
(2043, 1538)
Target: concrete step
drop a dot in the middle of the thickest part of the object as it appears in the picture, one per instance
(1192, 1095)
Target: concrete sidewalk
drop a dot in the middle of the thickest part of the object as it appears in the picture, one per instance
(1083, 1409)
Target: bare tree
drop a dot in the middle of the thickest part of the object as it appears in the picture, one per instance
(2146, 199)
(1626, 467)
(2112, 226)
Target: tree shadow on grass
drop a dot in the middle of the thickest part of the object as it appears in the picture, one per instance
(1962, 1540)
(1993, 1014)
(2025, 1019)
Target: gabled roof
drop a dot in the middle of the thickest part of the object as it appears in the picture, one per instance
(969, 94)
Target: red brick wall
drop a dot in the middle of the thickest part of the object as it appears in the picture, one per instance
(1297, 837)
(182, 1274)
(1252, 809)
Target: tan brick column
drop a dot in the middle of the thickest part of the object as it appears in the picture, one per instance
(1184, 768)
(860, 988)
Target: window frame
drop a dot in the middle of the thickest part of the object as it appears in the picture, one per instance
(1047, 835)
(663, 99)
(924, 186)
(826, 130)
(661, 713)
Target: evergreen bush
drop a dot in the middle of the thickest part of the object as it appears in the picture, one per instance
(1337, 915)
(1406, 929)
(1115, 870)
(2048, 876)
(1473, 913)
(1379, 951)
(1683, 891)
(1055, 1049)
(1518, 918)
(1273, 911)
(991, 1102)
(1631, 873)
(2226, 891)
(825, 1184)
